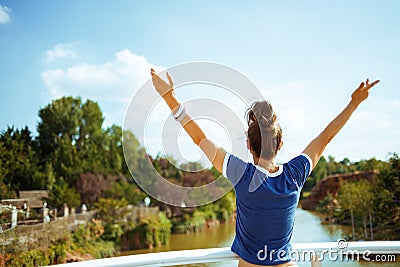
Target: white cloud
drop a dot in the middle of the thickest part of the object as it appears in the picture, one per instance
(112, 83)
(4, 14)
(60, 51)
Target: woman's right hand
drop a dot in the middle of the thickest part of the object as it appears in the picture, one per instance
(317, 146)
(162, 87)
(362, 92)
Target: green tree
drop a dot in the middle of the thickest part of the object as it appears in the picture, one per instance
(67, 162)
(347, 201)
(331, 165)
(3, 163)
(358, 198)
(19, 164)
(113, 157)
(49, 175)
(58, 120)
(364, 208)
(371, 164)
(4, 191)
(138, 161)
(226, 206)
(319, 172)
(344, 166)
(62, 193)
(71, 137)
(387, 191)
(128, 191)
(91, 138)
(113, 213)
(111, 210)
(58, 130)
(327, 205)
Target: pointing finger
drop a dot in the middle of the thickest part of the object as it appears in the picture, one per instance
(373, 83)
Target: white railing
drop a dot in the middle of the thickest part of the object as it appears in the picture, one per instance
(172, 258)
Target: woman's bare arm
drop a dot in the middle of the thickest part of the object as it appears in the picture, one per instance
(214, 153)
(318, 145)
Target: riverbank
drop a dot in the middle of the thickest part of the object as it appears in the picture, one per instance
(82, 244)
(364, 195)
(220, 235)
(223, 235)
(114, 226)
(363, 225)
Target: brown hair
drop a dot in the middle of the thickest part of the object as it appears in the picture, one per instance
(265, 135)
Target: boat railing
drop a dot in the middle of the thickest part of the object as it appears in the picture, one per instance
(315, 253)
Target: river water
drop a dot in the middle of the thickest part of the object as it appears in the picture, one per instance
(308, 228)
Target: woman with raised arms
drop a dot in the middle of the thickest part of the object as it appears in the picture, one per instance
(266, 194)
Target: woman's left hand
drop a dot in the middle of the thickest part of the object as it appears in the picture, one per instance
(162, 87)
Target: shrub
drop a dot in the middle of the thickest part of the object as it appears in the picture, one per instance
(58, 251)
(32, 258)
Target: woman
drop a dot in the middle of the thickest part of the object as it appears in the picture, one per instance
(266, 194)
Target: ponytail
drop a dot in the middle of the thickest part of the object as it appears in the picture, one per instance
(264, 133)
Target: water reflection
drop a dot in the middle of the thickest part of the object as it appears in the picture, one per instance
(308, 228)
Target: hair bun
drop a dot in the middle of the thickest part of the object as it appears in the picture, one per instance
(264, 133)
(262, 113)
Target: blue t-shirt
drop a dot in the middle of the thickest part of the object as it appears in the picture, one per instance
(265, 207)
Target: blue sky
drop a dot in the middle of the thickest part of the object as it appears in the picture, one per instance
(305, 56)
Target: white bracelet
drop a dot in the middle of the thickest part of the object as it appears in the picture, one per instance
(182, 115)
(179, 112)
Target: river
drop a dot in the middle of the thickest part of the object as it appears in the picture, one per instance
(308, 228)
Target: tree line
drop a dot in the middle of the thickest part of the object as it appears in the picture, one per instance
(78, 161)
(328, 166)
